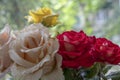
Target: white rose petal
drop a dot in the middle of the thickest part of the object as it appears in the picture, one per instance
(5, 39)
(35, 56)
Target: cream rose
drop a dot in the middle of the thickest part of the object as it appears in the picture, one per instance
(35, 56)
(5, 39)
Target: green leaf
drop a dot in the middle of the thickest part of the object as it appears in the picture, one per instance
(106, 69)
(92, 72)
(68, 74)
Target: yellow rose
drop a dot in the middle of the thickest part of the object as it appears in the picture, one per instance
(5, 39)
(35, 56)
(44, 16)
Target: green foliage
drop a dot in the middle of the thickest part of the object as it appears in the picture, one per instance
(68, 74)
(13, 11)
(92, 72)
(96, 72)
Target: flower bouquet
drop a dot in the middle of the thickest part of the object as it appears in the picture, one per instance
(33, 53)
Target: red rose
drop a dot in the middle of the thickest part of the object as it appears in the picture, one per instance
(76, 49)
(106, 51)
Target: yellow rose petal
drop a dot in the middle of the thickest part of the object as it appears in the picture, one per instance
(44, 16)
(50, 20)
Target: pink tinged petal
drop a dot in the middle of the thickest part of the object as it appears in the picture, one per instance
(57, 73)
(31, 52)
(5, 72)
(53, 47)
(69, 47)
(37, 66)
(4, 35)
(45, 51)
(17, 59)
(65, 38)
(5, 39)
(17, 72)
(33, 73)
(5, 60)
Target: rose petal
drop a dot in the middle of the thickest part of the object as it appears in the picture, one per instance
(57, 73)
(14, 56)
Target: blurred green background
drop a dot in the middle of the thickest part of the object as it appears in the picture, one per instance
(96, 17)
